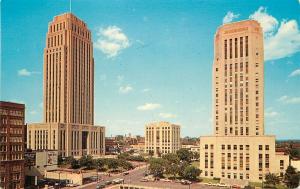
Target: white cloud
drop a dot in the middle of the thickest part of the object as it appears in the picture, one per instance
(125, 89)
(267, 22)
(148, 106)
(145, 90)
(167, 115)
(280, 42)
(120, 79)
(269, 112)
(25, 72)
(289, 100)
(111, 41)
(33, 112)
(229, 17)
(41, 105)
(295, 73)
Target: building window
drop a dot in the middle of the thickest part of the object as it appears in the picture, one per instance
(230, 48)
(225, 49)
(247, 46)
(235, 48)
(267, 147)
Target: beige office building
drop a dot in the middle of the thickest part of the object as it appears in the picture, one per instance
(162, 138)
(239, 148)
(68, 92)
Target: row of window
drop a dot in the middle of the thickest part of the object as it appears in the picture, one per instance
(243, 44)
(17, 113)
(6, 121)
(77, 29)
(230, 175)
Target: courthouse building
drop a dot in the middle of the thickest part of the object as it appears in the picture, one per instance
(12, 129)
(162, 138)
(68, 125)
(239, 148)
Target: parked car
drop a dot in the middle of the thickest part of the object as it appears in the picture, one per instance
(126, 173)
(222, 185)
(186, 182)
(165, 180)
(144, 180)
(100, 186)
(108, 182)
(117, 181)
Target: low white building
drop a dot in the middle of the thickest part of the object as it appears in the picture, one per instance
(162, 138)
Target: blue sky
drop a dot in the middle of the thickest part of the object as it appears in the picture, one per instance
(153, 59)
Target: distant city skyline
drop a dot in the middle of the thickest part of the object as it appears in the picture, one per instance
(153, 60)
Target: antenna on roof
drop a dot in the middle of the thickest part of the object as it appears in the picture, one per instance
(70, 6)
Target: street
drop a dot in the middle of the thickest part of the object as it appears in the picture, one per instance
(134, 178)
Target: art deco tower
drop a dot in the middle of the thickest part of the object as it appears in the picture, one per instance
(238, 80)
(239, 149)
(68, 92)
(68, 72)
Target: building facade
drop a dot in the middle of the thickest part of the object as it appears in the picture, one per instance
(162, 138)
(36, 163)
(12, 128)
(68, 125)
(239, 149)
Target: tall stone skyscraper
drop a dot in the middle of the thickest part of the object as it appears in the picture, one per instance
(68, 72)
(68, 92)
(239, 149)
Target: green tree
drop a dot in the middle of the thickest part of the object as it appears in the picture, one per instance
(156, 167)
(74, 163)
(124, 155)
(271, 179)
(87, 161)
(171, 162)
(112, 164)
(291, 177)
(100, 163)
(182, 167)
(184, 155)
(125, 164)
(191, 173)
(60, 160)
(196, 155)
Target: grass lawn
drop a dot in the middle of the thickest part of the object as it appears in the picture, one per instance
(207, 180)
(258, 184)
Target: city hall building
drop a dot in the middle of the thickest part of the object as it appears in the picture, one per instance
(162, 138)
(239, 148)
(68, 125)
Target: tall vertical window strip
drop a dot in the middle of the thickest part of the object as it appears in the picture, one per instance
(241, 46)
(225, 49)
(230, 48)
(246, 46)
(235, 48)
